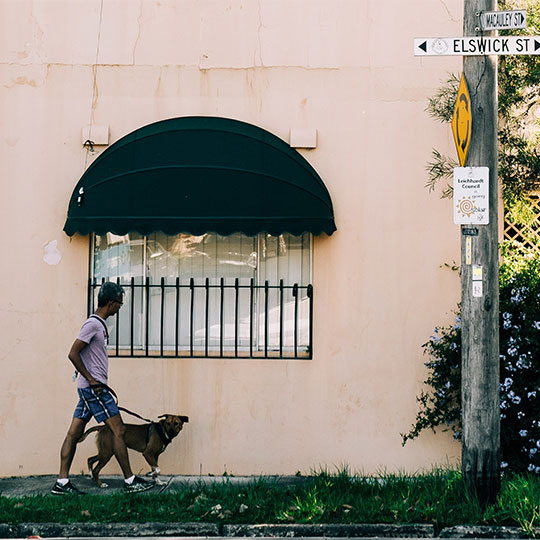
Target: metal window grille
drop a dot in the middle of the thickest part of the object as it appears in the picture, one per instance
(260, 346)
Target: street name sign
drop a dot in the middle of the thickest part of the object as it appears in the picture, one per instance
(503, 20)
(462, 121)
(477, 46)
(471, 195)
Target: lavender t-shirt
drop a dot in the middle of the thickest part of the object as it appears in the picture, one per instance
(94, 355)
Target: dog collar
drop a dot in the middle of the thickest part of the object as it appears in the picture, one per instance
(165, 439)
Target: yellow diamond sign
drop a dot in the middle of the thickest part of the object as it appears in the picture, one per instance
(462, 121)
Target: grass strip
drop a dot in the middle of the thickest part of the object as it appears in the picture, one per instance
(438, 498)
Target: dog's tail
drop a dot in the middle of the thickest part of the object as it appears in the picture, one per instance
(87, 432)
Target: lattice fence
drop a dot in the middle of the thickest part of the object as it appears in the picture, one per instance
(526, 233)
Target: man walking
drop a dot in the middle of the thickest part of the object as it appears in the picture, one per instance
(89, 356)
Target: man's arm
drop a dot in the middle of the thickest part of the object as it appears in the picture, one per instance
(75, 358)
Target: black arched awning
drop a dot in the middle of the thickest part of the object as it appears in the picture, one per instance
(197, 175)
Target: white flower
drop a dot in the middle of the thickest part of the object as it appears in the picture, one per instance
(536, 325)
(523, 362)
(512, 351)
(518, 294)
(504, 464)
(523, 433)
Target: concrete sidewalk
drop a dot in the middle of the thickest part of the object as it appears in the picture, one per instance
(41, 485)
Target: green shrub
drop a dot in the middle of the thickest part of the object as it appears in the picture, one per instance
(440, 404)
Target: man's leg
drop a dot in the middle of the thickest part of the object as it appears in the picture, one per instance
(67, 452)
(132, 483)
(118, 429)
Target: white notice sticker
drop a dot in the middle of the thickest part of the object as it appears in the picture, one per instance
(476, 273)
(477, 291)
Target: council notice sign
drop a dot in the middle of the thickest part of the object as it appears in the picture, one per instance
(477, 46)
(471, 195)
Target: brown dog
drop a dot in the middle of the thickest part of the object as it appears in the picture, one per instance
(150, 439)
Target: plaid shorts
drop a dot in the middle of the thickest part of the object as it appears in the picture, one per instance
(101, 406)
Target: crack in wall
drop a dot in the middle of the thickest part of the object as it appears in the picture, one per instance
(448, 11)
(95, 94)
(95, 90)
(139, 19)
(254, 68)
(37, 36)
(158, 87)
(259, 37)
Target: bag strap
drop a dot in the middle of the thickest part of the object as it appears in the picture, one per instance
(103, 324)
(102, 385)
(76, 373)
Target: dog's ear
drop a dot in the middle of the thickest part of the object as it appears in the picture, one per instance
(184, 419)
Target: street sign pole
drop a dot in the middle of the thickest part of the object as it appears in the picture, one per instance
(480, 282)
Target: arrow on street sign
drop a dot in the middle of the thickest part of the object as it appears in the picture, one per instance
(477, 46)
(503, 20)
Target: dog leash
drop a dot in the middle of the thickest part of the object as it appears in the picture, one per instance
(115, 396)
(165, 439)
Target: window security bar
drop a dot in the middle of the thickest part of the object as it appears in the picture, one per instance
(259, 333)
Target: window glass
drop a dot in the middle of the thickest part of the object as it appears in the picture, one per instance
(172, 315)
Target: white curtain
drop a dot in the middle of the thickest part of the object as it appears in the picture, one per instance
(209, 256)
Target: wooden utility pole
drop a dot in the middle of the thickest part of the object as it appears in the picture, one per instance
(480, 314)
